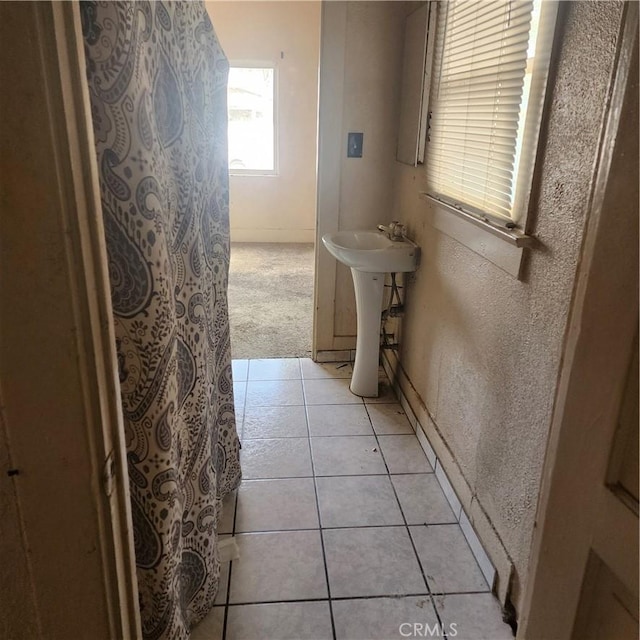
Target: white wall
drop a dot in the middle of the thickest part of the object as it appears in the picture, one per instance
(480, 350)
(361, 62)
(278, 208)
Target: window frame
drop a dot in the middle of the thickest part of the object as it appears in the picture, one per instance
(503, 239)
(261, 64)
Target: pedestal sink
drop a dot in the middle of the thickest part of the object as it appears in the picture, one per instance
(370, 254)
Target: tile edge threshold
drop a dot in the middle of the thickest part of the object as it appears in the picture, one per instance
(476, 545)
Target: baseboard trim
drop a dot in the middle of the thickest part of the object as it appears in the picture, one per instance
(485, 544)
(338, 355)
(303, 236)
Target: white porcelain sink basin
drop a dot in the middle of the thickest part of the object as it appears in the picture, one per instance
(372, 251)
(371, 255)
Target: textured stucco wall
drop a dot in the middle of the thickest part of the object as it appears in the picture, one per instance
(481, 348)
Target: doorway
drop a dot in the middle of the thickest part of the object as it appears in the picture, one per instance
(273, 51)
(271, 299)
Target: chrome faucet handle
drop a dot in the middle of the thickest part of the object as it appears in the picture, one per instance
(395, 230)
(398, 231)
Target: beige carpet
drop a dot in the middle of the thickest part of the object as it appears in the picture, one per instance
(271, 300)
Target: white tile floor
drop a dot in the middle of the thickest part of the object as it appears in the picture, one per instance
(343, 529)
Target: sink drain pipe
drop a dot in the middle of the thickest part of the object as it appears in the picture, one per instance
(395, 309)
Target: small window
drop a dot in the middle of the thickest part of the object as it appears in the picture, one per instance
(489, 77)
(251, 109)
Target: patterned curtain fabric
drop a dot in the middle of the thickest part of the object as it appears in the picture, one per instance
(157, 79)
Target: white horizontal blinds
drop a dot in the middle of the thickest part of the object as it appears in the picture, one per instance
(479, 69)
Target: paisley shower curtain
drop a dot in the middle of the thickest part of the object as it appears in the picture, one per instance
(157, 81)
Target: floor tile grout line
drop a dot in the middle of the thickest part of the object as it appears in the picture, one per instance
(225, 616)
(332, 435)
(415, 594)
(233, 526)
(226, 603)
(274, 379)
(233, 533)
(406, 526)
(243, 408)
(339, 475)
(321, 404)
(321, 528)
(235, 508)
(252, 405)
(422, 569)
(415, 551)
(368, 474)
(348, 526)
(326, 575)
(295, 601)
(324, 553)
(399, 505)
(306, 419)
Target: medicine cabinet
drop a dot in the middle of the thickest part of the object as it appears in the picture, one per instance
(416, 79)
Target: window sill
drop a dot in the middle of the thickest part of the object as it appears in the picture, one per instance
(503, 247)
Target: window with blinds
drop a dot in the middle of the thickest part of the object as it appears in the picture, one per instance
(490, 69)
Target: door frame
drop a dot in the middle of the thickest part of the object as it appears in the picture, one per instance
(603, 322)
(331, 61)
(110, 448)
(61, 415)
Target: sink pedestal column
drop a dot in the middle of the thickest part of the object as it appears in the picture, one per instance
(369, 288)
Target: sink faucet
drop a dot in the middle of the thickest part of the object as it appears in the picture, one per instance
(395, 231)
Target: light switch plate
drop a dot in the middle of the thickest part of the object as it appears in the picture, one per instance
(354, 144)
